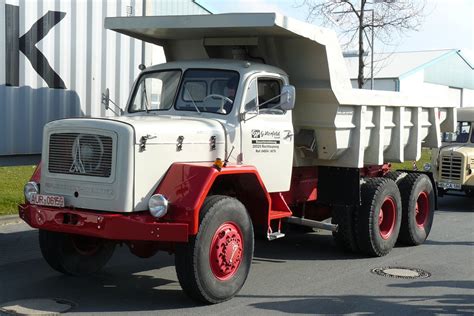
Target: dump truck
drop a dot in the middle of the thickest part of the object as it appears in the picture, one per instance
(453, 163)
(250, 126)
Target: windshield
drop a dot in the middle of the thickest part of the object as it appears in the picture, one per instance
(155, 91)
(208, 90)
(461, 135)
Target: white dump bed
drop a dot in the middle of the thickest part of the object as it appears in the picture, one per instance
(352, 127)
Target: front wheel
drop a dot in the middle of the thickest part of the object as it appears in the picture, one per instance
(74, 254)
(213, 266)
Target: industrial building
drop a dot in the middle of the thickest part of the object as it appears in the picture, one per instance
(57, 59)
(447, 74)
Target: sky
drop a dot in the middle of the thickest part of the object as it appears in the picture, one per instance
(449, 23)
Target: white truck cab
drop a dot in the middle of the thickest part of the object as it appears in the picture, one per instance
(250, 100)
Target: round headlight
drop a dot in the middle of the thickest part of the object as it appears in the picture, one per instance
(427, 166)
(30, 189)
(158, 205)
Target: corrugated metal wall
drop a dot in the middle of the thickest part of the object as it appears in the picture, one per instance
(56, 60)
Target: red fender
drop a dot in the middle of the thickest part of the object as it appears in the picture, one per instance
(186, 186)
(36, 177)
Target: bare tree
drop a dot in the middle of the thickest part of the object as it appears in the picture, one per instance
(386, 19)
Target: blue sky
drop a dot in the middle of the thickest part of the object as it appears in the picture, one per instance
(450, 23)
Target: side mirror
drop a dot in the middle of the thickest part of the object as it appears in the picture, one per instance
(106, 101)
(288, 94)
(106, 98)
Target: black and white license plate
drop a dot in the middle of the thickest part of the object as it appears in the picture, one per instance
(447, 185)
(48, 200)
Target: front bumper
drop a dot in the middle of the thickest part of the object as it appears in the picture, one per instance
(115, 226)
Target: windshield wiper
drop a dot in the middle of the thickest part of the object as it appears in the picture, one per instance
(192, 100)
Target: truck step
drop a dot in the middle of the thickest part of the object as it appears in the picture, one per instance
(278, 214)
(275, 235)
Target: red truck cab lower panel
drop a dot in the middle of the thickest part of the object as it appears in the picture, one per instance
(113, 226)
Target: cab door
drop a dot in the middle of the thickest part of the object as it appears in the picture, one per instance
(267, 132)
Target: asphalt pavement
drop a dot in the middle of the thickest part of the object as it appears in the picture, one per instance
(298, 274)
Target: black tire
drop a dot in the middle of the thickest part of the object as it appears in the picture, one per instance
(469, 192)
(394, 175)
(74, 254)
(417, 193)
(374, 238)
(441, 192)
(345, 236)
(194, 269)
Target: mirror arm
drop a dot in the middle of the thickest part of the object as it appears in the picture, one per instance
(120, 109)
(106, 100)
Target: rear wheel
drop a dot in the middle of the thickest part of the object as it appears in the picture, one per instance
(74, 254)
(418, 200)
(213, 266)
(394, 175)
(379, 216)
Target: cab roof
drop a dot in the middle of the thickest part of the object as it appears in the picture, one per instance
(227, 64)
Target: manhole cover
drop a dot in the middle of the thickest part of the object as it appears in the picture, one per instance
(401, 272)
(37, 306)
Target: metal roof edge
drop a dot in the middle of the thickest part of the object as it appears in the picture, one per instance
(201, 6)
(459, 52)
(433, 61)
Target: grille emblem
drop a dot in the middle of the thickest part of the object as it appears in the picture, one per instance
(87, 155)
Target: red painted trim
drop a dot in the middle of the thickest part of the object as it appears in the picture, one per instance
(186, 186)
(114, 226)
(304, 186)
(36, 177)
(279, 207)
(375, 170)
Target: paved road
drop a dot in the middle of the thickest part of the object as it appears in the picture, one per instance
(299, 274)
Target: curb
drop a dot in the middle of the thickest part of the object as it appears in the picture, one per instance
(9, 219)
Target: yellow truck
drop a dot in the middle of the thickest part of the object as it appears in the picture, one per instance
(454, 161)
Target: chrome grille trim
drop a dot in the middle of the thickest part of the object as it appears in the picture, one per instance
(80, 154)
(451, 167)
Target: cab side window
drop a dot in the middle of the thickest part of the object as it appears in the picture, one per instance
(268, 93)
(263, 95)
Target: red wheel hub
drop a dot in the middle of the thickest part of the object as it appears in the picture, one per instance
(387, 217)
(225, 253)
(422, 209)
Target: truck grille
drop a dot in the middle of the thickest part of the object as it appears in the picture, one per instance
(80, 153)
(451, 167)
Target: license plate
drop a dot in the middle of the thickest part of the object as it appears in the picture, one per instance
(48, 200)
(446, 185)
